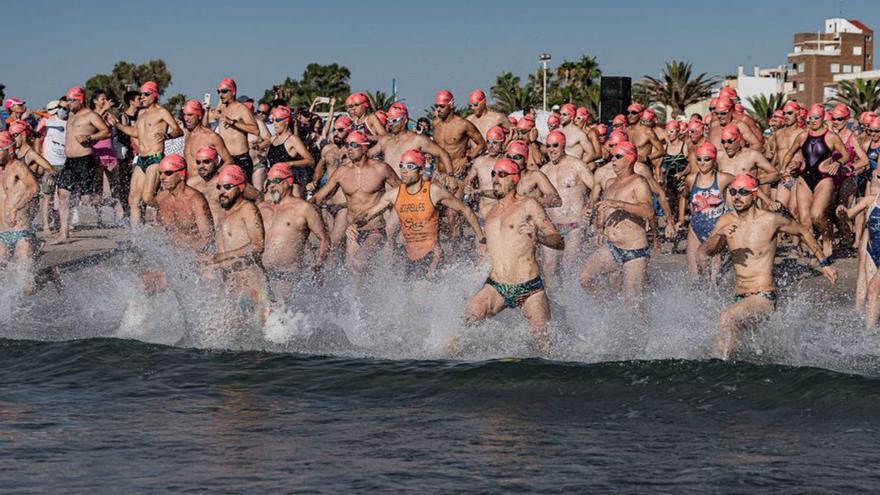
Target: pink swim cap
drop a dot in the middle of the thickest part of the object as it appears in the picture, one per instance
(281, 171)
(443, 97)
(626, 149)
(496, 133)
(525, 124)
(232, 174)
(648, 114)
(281, 112)
(173, 163)
(7, 143)
(518, 148)
(724, 105)
(398, 111)
(672, 125)
(357, 99)
(342, 123)
(193, 107)
(508, 166)
(553, 120)
(556, 137)
(357, 137)
(618, 119)
(76, 93)
(568, 109)
(150, 87)
(817, 110)
(413, 156)
(228, 83)
(730, 131)
(875, 123)
(20, 127)
(840, 111)
(582, 112)
(707, 149)
(477, 96)
(207, 153)
(617, 137)
(745, 181)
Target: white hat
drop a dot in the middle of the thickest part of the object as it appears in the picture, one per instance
(52, 107)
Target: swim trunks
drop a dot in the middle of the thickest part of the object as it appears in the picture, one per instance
(417, 269)
(566, 228)
(247, 165)
(79, 175)
(144, 162)
(622, 256)
(515, 295)
(769, 295)
(11, 238)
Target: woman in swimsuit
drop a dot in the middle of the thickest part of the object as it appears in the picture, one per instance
(706, 189)
(868, 281)
(824, 153)
(847, 181)
(287, 148)
(674, 163)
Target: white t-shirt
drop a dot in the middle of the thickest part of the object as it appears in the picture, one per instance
(54, 130)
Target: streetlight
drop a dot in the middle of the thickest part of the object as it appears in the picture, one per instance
(544, 58)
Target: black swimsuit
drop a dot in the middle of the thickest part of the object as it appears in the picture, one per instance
(278, 153)
(815, 151)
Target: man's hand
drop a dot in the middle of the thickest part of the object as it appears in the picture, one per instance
(84, 140)
(830, 274)
(729, 230)
(227, 121)
(841, 211)
(351, 233)
(527, 228)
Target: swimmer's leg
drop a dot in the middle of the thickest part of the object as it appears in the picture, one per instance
(737, 317)
(134, 196)
(634, 273)
(695, 262)
(485, 304)
(536, 309)
(599, 263)
(24, 257)
(873, 303)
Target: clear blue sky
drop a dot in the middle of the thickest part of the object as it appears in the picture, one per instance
(49, 46)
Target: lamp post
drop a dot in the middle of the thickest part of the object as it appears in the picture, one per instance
(544, 58)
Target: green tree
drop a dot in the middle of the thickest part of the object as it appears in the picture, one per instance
(763, 107)
(859, 95)
(317, 80)
(379, 100)
(129, 76)
(509, 95)
(175, 102)
(676, 88)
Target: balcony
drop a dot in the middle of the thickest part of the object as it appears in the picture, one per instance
(828, 53)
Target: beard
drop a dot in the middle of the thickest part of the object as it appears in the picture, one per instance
(225, 202)
(274, 196)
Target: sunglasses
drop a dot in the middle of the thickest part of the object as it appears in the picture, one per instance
(340, 129)
(501, 174)
(475, 104)
(554, 145)
(228, 187)
(204, 162)
(277, 121)
(494, 141)
(514, 157)
(222, 91)
(394, 121)
(740, 192)
(279, 180)
(260, 112)
(728, 141)
(815, 117)
(788, 113)
(634, 113)
(838, 119)
(619, 156)
(722, 113)
(354, 145)
(146, 94)
(409, 166)
(441, 106)
(872, 131)
(704, 158)
(169, 173)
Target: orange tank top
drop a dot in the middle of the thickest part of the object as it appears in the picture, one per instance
(418, 220)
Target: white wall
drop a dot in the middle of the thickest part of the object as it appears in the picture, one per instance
(749, 86)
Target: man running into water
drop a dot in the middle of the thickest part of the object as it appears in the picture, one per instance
(739, 160)
(453, 134)
(183, 211)
(515, 226)
(573, 181)
(334, 209)
(483, 118)
(362, 181)
(358, 106)
(481, 170)
(288, 220)
(623, 213)
(577, 143)
(240, 244)
(722, 117)
(153, 127)
(236, 122)
(532, 181)
(643, 137)
(198, 136)
(415, 201)
(208, 163)
(18, 188)
(751, 235)
(80, 173)
(399, 139)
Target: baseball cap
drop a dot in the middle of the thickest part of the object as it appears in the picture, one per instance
(12, 101)
(52, 107)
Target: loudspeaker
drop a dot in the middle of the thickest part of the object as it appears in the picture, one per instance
(616, 95)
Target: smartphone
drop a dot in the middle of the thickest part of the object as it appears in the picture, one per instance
(322, 99)
(207, 100)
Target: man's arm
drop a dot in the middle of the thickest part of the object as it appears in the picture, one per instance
(474, 135)
(102, 131)
(329, 188)
(860, 162)
(204, 221)
(391, 178)
(174, 130)
(718, 237)
(306, 159)
(836, 144)
(31, 188)
(549, 195)
(385, 202)
(430, 147)
(441, 196)
(316, 225)
(219, 145)
(40, 161)
(657, 145)
(375, 125)
(770, 173)
(248, 123)
(795, 147)
(750, 137)
(790, 227)
(544, 230)
(642, 208)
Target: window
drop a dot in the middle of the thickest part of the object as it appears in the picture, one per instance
(857, 68)
(797, 48)
(800, 86)
(847, 69)
(868, 37)
(835, 68)
(857, 50)
(801, 67)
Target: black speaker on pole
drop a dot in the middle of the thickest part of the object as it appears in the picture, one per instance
(616, 95)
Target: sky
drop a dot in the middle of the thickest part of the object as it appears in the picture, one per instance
(425, 46)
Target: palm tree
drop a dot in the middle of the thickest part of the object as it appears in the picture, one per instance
(676, 87)
(380, 100)
(509, 95)
(859, 95)
(763, 107)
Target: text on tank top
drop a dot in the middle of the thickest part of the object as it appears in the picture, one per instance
(418, 220)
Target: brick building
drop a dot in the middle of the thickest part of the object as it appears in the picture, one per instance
(846, 47)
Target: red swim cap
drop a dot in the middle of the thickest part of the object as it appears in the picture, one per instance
(443, 97)
(207, 153)
(228, 83)
(343, 122)
(496, 133)
(617, 136)
(707, 149)
(626, 149)
(281, 112)
(512, 120)
(791, 106)
(745, 181)
(525, 124)
(672, 125)
(648, 114)
(600, 129)
(20, 127)
(413, 156)
(568, 109)
(865, 118)
(356, 99)
(357, 137)
(738, 108)
(173, 163)
(518, 148)
(477, 96)
(841, 111)
(817, 110)
(778, 114)
(508, 166)
(7, 143)
(398, 111)
(382, 116)
(695, 126)
(150, 87)
(232, 174)
(76, 93)
(582, 112)
(618, 119)
(875, 123)
(724, 105)
(728, 92)
(281, 171)
(194, 107)
(730, 131)
(635, 107)
(553, 120)
(556, 137)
